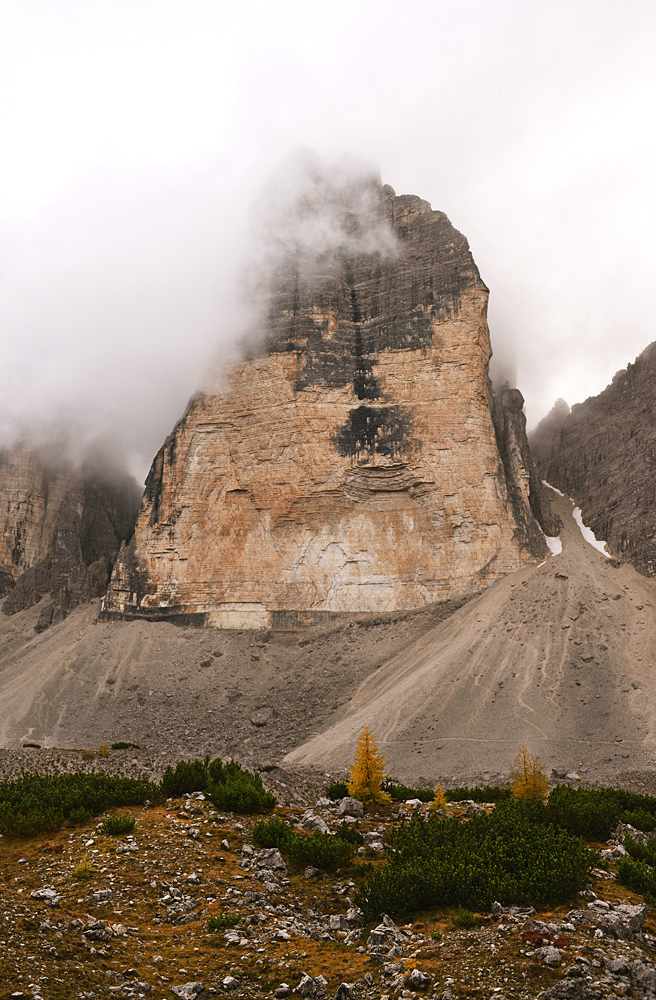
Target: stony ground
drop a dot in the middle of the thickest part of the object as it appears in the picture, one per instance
(130, 919)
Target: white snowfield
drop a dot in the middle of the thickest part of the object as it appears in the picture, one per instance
(556, 545)
(589, 534)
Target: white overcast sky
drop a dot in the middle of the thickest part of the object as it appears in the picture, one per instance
(135, 135)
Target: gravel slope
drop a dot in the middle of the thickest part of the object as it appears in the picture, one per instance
(561, 656)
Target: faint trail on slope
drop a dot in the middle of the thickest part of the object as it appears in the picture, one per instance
(533, 654)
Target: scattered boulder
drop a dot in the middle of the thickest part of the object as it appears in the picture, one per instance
(549, 955)
(261, 716)
(351, 807)
(307, 986)
(270, 857)
(47, 895)
(566, 989)
(374, 840)
(100, 895)
(385, 939)
(98, 931)
(621, 921)
(418, 980)
(643, 977)
(189, 991)
(312, 823)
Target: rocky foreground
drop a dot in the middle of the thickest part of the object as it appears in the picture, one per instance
(86, 915)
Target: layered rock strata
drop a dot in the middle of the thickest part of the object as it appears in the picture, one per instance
(353, 466)
(603, 454)
(61, 531)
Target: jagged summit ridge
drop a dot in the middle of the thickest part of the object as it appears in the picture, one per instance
(353, 466)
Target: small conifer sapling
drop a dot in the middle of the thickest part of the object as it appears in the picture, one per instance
(367, 772)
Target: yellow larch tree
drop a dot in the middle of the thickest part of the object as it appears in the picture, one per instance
(527, 777)
(439, 799)
(367, 772)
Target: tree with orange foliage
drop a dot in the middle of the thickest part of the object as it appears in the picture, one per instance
(439, 799)
(367, 772)
(527, 777)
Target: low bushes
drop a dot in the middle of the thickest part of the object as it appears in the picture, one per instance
(338, 790)
(187, 777)
(638, 871)
(350, 832)
(482, 793)
(320, 850)
(401, 793)
(220, 921)
(228, 786)
(637, 875)
(593, 813)
(641, 852)
(117, 825)
(515, 855)
(41, 803)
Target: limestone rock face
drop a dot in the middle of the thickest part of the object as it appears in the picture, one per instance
(603, 454)
(61, 530)
(351, 467)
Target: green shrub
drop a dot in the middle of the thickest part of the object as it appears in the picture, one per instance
(42, 803)
(188, 776)
(584, 812)
(231, 787)
(637, 875)
(338, 790)
(350, 832)
(228, 786)
(125, 746)
(482, 793)
(321, 850)
(222, 920)
(593, 813)
(272, 832)
(116, 825)
(641, 852)
(35, 746)
(464, 918)
(401, 793)
(514, 855)
(640, 818)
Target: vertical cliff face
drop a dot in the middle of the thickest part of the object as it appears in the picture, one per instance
(525, 489)
(603, 454)
(354, 465)
(61, 531)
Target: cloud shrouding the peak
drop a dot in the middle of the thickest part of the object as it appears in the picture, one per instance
(138, 136)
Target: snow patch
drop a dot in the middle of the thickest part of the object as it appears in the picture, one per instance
(550, 487)
(589, 535)
(554, 543)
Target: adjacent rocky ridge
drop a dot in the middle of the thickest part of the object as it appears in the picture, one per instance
(61, 530)
(603, 454)
(354, 465)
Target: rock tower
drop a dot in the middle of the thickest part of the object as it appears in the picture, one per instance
(352, 465)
